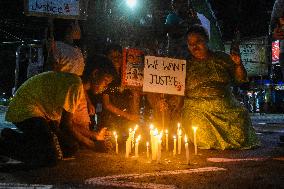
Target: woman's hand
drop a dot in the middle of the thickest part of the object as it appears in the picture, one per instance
(133, 117)
(101, 135)
(91, 109)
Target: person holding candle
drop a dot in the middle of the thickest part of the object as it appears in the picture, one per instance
(223, 123)
(120, 105)
(46, 109)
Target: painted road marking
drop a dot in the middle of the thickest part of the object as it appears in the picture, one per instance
(24, 186)
(117, 180)
(226, 160)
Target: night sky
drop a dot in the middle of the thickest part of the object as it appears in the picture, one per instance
(250, 16)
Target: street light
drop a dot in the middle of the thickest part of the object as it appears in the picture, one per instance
(131, 3)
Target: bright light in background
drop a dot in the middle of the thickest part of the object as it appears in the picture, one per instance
(131, 3)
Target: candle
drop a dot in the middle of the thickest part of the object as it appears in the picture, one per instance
(147, 145)
(136, 146)
(175, 146)
(151, 137)
(194, 140)
(167, 141)
(116, 144)
(128, 147)
(159, 147)
(155, 145)
(186, 150)
(130, 138)
(179, 142)
(178, 125)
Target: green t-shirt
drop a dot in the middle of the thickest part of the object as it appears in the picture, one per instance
(46, 95)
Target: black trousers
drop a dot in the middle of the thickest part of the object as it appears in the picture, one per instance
(36, 142)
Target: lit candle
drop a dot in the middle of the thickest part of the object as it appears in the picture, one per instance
(175, 146)
(194, 139)
(133, 135)
(159, 147)
(130, 138)
(151, 137)
(128, 147)
(147, 145)
(155, 145)
(116, 144)
(178, 125)
(136, 146)
(179, 142)
(167, 141)
(186, 150)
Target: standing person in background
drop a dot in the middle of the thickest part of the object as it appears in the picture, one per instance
(51, 107)
(277, 28)
(63, 54)
(223, 123)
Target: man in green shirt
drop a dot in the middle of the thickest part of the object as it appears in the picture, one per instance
(52, 107)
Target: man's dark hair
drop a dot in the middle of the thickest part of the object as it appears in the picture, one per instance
(112, 47)
(198, 29)
(100, 63)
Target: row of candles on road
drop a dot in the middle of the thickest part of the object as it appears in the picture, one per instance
(156, 143)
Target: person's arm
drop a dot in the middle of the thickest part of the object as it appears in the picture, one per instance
(239, 71)
(109, 106)
(50, 64)
(67, 126)
(91, 107)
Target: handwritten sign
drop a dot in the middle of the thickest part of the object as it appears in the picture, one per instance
(164, 75)
(132, 67)
(53, 8)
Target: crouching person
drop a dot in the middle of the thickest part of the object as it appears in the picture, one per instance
(50, 111)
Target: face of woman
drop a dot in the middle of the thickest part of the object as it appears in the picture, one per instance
(197, 46)
(116, 58)
(101, 85)
(75, 30)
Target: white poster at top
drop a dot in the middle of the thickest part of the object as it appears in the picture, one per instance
(164, 75)
(61, 8)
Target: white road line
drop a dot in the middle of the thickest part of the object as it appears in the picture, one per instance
(117, 180)
(24, 186)
(227, 160)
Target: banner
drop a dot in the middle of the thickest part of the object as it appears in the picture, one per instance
(132, 67)
(53, 8)
(164, 75)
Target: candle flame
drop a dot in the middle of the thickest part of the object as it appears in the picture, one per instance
(138, 138)
(166, 131)
(147, 144)
(178, 125)
(174, 137)
(179, 132)
(185, 139)
(130, 130)
(194, 129)
(151, 127)
(114, 133)
(136, 127)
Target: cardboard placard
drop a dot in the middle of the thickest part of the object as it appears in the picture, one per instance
(164, 75)
(132, 68)
(69, 9)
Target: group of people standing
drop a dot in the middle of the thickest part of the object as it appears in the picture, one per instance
(52, 110)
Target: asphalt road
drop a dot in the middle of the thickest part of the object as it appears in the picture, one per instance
(259, 168)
